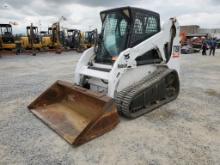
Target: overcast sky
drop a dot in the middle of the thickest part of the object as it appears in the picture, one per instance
(84, 14)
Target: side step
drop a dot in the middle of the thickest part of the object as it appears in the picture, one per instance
(75, 113)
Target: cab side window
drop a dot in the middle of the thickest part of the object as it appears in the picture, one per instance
(138, 29)
(123, 27)
(145, 26)
(151, 25)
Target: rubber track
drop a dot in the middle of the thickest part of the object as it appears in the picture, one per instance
(124, 97)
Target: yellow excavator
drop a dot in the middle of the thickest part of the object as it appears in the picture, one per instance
(45, 39)
(54, 34)
(132, 70)
(51, 39)
(32, 39)
(7, 40)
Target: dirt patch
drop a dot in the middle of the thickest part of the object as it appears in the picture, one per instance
(212, 92)
(160, 115)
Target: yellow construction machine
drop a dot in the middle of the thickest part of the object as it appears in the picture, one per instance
(45, 39)
(7, 40)
(32, 39)
(51, 38)
(79, 40)
(88, 39)
(54, 34)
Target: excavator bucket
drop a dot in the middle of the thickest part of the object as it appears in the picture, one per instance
(75, 113)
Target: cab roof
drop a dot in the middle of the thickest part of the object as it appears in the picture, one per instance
(131, 9)
(72, 30)
(34, 27)
(5, 25)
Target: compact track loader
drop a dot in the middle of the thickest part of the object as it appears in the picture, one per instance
(132, 69)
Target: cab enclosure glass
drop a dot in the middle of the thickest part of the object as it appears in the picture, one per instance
(124, 28)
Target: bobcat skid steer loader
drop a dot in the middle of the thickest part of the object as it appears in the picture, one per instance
(132, 70)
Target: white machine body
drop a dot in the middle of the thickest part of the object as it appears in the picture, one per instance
(124, 71)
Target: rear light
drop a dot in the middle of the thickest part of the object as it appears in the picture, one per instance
(114, 58)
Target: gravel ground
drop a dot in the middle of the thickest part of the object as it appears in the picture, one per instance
(185, 131)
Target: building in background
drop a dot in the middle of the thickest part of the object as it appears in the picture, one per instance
(195, 30)
(190, 29)
(192, 37)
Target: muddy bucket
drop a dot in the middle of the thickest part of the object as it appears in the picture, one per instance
(75, 113)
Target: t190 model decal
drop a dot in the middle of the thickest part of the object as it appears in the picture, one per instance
(122, 65)
(176, 51)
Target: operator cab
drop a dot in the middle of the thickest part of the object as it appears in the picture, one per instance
(53, 32)
(91, 36)
(50, 30)
(73, 38)
(32, 32)
(43, 33)
(6, 33)
(124, 28)
(73, 33)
